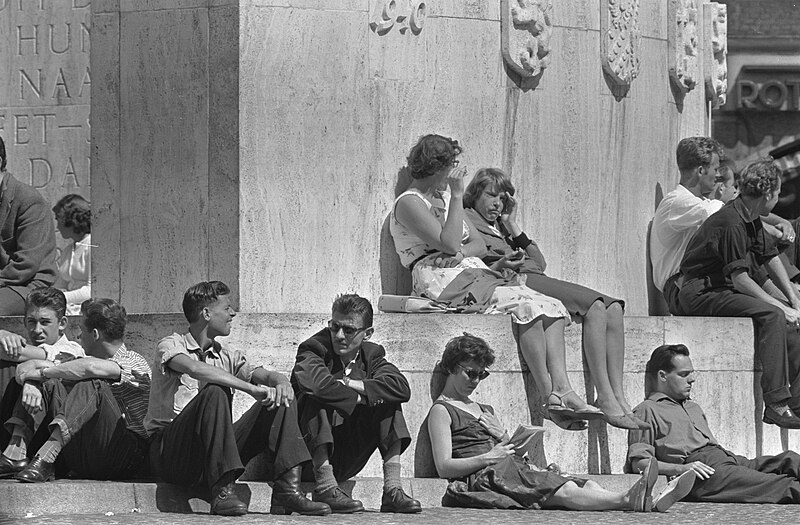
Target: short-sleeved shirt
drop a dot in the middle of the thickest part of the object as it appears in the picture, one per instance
(132, 391)
(171, 391)
(677, 428)
(63, 350)
(721, 245)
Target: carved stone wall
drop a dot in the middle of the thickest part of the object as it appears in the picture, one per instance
(716, 62)
(620, 40)
(526, 30)
(684, 43)
(45, 87)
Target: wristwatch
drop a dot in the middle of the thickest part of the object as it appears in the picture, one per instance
(346, 381)
(41, 373)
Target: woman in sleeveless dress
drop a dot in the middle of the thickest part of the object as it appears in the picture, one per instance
(471, 448)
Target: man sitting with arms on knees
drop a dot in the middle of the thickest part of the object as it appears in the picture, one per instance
(350, 400)
(680, 439)
(195, 441)
(97, 404)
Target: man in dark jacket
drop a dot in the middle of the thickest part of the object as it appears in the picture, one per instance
(27, 241)
(349, 403)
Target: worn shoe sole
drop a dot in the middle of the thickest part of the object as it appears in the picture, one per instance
(644, 498)
(409, 510)
(676, 490)
(286, 511)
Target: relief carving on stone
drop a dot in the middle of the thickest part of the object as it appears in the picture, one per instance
(620, 36)
(715, 65)
(526, 28)
(683, 42)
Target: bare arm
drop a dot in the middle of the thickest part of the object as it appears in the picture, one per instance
(702, 470)
(781, 279)
(183, 364)
(78, 370)
(744, 284)
(14, 348)
(284, 393)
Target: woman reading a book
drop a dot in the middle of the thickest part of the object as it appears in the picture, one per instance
(473, 450)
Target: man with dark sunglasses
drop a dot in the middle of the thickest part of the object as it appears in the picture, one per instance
(349, 403)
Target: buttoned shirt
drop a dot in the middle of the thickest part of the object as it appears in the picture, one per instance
(132, 391)
(677, 428)
(171, 390)
(62, 350)
(721, 245)
(677, 218)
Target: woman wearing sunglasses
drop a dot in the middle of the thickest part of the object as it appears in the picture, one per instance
(471, 448)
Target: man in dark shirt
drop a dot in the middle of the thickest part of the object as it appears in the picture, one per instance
(680, 439)
(717, 282)
(349, 403)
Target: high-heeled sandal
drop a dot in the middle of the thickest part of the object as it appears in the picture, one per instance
(587, 413)
(622, 421)
(567, 423)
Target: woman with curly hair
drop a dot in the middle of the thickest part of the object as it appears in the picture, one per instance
(74, 223)
(717, 282)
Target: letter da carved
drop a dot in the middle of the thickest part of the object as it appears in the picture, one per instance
(715, 65)
(526, 28)
(620, 39)
(683, 55)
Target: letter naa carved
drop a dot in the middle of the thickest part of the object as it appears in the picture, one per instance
(620, 39)
(526, 29)
(683, 55)
(715, 65)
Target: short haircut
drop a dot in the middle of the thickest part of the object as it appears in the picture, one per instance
(347, 304)
(661, 359)
(76, 213)
(430, 154)
(759, 178)
(201, 295)
(47, 297)
(107, 316)
(2, 155)
(728, 165)
(493, 179)
(693, 152)
(466, 347)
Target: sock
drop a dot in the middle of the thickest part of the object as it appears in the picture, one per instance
(323, 475)
(391, 476)
(17, 448)
(50, 450)
(780, 408)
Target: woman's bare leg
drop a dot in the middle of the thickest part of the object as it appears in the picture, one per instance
(573, 497)
(615, 352)
(598, 356)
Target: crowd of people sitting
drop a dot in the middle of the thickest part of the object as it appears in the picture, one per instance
(97, 410)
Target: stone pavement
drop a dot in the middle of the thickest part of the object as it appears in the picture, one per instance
(700, 513)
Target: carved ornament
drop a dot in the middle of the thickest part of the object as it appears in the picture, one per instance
(526, 28)
(683, 42)
(620, 39)
(715, 65)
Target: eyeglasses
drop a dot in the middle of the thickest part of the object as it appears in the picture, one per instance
(349, 331)
(474, 374)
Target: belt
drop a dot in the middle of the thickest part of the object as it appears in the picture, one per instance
(676, 279)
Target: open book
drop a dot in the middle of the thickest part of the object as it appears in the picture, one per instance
(522, 435)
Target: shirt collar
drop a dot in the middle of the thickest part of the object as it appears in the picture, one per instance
(741, 209)
(661, 396)
(194, 347)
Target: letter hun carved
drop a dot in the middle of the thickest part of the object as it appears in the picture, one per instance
(620, 37)
(683, 55)
(526, 28)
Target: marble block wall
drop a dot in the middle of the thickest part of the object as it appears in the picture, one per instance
(261, 141)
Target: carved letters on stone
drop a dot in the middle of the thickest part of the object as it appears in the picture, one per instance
(620, 36)
(404, 14)
(526, 28)
(683, 55)
(715, 65)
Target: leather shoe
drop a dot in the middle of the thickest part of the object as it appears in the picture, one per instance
(37, 471)
(641, 491)
(676, 490)
(395, 500)
(784, 420)
(9, 467)
(287, 498)
(339, 502)
(226, 503)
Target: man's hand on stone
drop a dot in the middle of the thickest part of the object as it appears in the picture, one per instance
(702, 470)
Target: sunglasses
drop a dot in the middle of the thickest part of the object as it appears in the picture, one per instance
(349, 331)
(474, 374)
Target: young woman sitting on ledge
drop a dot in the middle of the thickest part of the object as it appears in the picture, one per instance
(471, 448)
(438, 244)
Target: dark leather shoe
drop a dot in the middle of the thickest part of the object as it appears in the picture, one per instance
(287, 498)
(641, 493)
(395, 500)
(10, 467)
(37, 471)
(226, 503)
(338, 501)
(785, 420)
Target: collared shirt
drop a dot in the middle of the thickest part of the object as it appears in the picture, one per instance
(63, 350)
(171, 391)
(676, 430)
(132, 391)
(721, 245)
(677, 218)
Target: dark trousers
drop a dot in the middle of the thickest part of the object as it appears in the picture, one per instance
(202, 446)
(697, 298)
(352, 439)
(736, 479)
(671, 292)
(12, 302)
(9, 393)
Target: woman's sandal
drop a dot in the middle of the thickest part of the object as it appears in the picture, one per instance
(621, 421)
(587, 413)
(567, 423)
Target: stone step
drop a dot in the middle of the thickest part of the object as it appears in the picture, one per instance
(100, 497)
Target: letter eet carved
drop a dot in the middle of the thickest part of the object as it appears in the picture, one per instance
(683, 55)
(715, 65)
(620, 36)
(526, 28)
